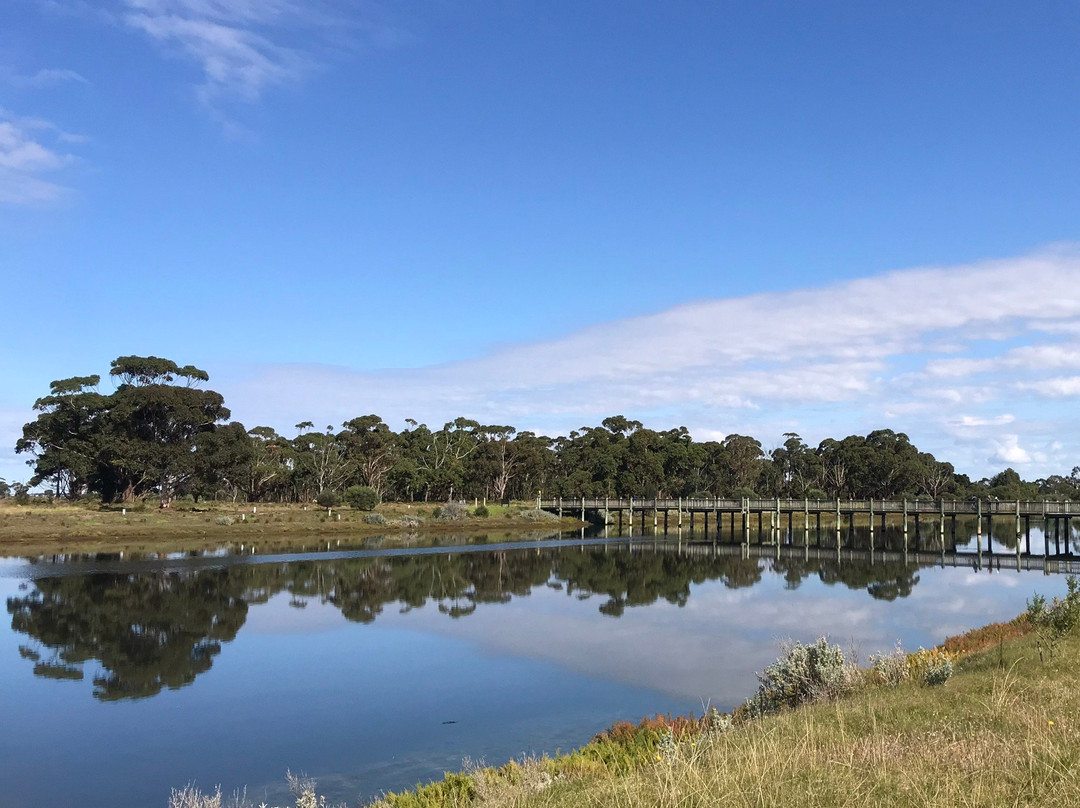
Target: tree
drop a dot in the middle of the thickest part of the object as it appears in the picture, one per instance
(370, 446)
(141, 437)
(153, 424)
(66, 437)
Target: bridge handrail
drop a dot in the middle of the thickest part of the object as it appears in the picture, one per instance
(967, 507)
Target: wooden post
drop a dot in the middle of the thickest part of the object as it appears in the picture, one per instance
(1019, 536)
(905, 527)
(978, 530)
(941, 525)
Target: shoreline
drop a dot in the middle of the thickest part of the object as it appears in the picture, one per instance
(62, 528)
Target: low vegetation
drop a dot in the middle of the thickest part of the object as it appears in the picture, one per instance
(975, 722)
(55, 526)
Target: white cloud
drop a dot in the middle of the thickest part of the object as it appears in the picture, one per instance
(828, 361)
(1009, 450)
(236, 61)
(973, 421)
(831, 360)
(45, 78)
(1057, 387)
(29, 152)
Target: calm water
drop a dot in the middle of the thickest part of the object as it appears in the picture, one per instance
(120, 679)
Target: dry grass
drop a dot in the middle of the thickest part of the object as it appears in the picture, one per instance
(991, 737)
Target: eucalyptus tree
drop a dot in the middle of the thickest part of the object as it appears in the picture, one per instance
(66, 437)
(371, 447)
(139, 438)
(153, 423)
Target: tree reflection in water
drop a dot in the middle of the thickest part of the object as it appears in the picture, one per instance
(147, 632)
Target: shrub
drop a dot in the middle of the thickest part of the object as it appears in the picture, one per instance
(410, 521)
(1062, 616)
(481, 511)
(806, 673)
(436, 512)
(453, 512)
(374, 519)
(717, 723)
(537, 515)
(938, 672)
(328, 498)
(224, 520)
(890, 669)
(361, 497)
(931, 667)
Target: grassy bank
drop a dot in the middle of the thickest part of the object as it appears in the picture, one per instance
(1004, 730)
(42, 528)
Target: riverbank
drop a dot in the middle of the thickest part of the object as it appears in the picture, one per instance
(41, 528)
(1003, 730)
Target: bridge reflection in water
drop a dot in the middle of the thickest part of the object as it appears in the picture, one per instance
(945, 526)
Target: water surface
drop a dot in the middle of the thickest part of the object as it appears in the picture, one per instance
(378, 668)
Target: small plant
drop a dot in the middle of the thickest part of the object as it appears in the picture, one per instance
(666, 747)
(410, 521)
(436, 512)
(806, 673)
(938, 672)
(717, 723)
(375, 519)
(890, 669)
(224, 520)
(481, 511)
(453, 512)
(1057, 619)
(931, 667)
(361, 497)
(328, 499)
(537, 515)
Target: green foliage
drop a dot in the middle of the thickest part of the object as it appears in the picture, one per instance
(361, 497)
(375, 519)
(806, 673)
(328, 498)
(1055, 620)
(481, 511)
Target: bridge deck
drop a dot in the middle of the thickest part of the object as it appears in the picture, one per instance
(1023, 508)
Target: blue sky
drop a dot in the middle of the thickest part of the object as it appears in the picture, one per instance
(443, 208)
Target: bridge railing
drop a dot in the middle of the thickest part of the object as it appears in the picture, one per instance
(968, 507)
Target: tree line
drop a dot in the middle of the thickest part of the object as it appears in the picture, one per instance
(159, 433)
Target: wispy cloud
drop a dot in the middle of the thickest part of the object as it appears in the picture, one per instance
(825, 361)
(228, 39)
(44, 78)
(32, 153)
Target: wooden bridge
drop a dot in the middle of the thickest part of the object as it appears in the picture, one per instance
(923, 518)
